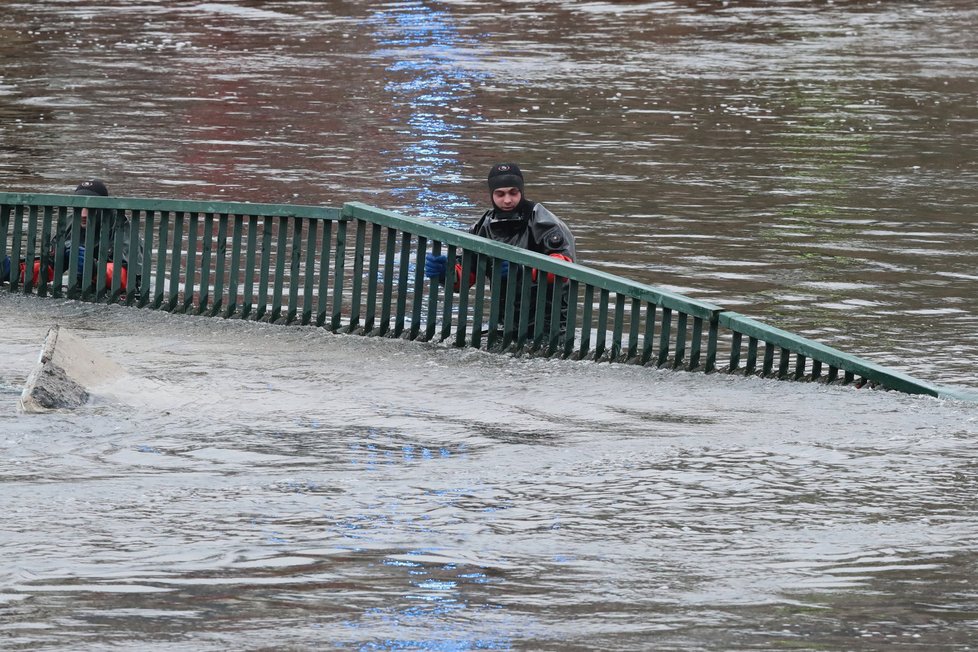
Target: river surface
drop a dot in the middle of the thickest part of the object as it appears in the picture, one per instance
(809, 164)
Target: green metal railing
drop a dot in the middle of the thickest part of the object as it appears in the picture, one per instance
(359, 269)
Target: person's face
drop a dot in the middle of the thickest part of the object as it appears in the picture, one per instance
(84, 217)
(506, 199)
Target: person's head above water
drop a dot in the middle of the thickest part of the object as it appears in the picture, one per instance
(92, 188)
(506, 186)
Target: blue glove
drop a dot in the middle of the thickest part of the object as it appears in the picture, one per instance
(504, 268)
(81, 260)
(434, 266)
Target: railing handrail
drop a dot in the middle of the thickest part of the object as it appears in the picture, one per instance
(827, 355)
(171, 205)
(244, 283)
(520, 256)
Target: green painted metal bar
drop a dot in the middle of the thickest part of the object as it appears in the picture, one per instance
(465, 284)
(682, 333)
(602, 329)
(431, 320)
(95, 278)
(264, 273)
(448, 306)
(4, 226)
(648, 340)
(735, 351)
(510, 317)
(768, 365)
(750, 366)
(570, 334)
(251, 255)
(325, 247)
(539, 312)
(403, 272)
(295, 266)
(799, 367)
(712, 341)
(220, 263)
(556, 308)
(373, 269)
(234, 275)
(206, 245)
(176, 258)
(479, 307)
(357, 283)
(417, 300)
(696, 344)
(586, 318)
(496, 306)
(618, 328)
(390, 252)
(160, 291)
(816, 369)
(108, 237)
(134, 260)
(833, 374)
(309, 281)
(634, 322)
(665, 333)
(59, 258)
(278, 282)
(145, 265)
(46, 259)
(190, 286)
(15, 250)
(337, 313)
(114, 289)
(783, 360)
(526, 285)
(29, 279)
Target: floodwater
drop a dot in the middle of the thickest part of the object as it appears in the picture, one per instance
(810, 164)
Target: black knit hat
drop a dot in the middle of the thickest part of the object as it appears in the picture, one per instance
(93, 188)
(505, 175)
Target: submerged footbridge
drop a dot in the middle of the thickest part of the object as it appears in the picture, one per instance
(359, 269)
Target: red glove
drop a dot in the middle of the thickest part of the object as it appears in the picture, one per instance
(110, 272)
(37, 272)
(458, 277)
(550, 276)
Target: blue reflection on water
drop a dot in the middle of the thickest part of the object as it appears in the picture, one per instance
(443, 597)
(427, 78)
(436, 602)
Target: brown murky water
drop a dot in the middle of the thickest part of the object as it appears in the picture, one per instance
(810, 164)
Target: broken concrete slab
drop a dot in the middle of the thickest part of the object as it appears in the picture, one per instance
(66, 374)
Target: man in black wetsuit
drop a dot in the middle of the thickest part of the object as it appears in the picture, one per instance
(515, 220)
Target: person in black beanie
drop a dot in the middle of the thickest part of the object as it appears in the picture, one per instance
(94, 218)
(517, 221)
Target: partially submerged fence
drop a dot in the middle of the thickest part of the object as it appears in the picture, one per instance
(359, 269)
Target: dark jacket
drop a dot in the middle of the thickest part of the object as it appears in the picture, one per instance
(531, 226)
(116, 222)
(544, 232)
